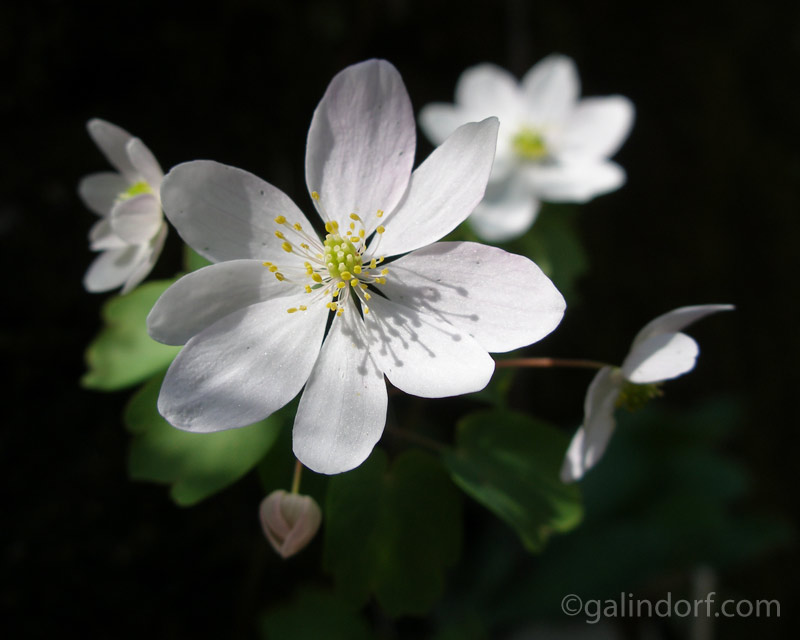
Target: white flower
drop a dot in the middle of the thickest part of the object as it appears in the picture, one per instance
(551, 145)
(131, 232)
(659, 352)
(253, 323)
(289, 520)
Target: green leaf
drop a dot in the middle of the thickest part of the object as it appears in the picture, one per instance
(553, 243)
(510, 463)
(123, 355)
(392, 532)
(192, 261)
(312, 615)
(197, 465)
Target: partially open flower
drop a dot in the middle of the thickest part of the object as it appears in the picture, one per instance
(660, 352)
(289, 521)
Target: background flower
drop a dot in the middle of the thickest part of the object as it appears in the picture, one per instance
(131, 231)
(552, 146)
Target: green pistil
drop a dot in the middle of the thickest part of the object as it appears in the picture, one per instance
(635, 396)
(136, 189)
(341, 257)
(530, 145)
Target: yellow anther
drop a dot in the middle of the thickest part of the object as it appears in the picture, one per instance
(384, 272)
(373, 264)
(303, 307)
(332, 306)
(340, 311)
(354, 216)
(340, 285)
(357, 269)
(305, 246)
(346, 275)
(279, 234)
(366, 309)
(291, 310)
(367, 296)
(328, 227)
(267, 264)
(316, 277)
(286, 247)
(297, 226)
(380, 229)
(335, 224)
(380, 280)
(273, 268)
(354, 282)
(279, 276)
(363, 286)
(352, 225)
(381, 259)
(314, 195)
(280, 220)
(336, 291)
(361, 233)
(308, 289)
(380, 213)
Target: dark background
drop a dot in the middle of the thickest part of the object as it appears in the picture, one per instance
(710, 214)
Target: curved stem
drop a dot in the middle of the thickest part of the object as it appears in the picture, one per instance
(298, 472)
(550, 362)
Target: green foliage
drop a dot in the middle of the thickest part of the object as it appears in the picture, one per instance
(123, 354)
(391, 532)
(314, 614)
(510, 463)
(192, 261)
(554, 244)
(197, 465)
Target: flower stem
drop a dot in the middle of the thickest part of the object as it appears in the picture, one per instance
(298, 471)
(550, 362)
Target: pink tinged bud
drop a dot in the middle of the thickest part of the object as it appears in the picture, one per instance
(289, 521)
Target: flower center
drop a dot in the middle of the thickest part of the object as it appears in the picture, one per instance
(136, 189)
(634, 396)
(529, 144)
(337, 268)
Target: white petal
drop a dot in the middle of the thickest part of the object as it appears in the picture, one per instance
(225, 213)
(102, 237)
(145, 163)
(677, 319)
(113, 267)
(243, 367)
(596, 128)
(507, 211)
(502, 300)
(136, 220)
(112, 141)
(439, 120)
(443, 190)
(423, 355)
(578, 182)
(361, 142)
(551, 89)
(202, 297)
(590, 442)
(660, 357)
(487, 90)
(343, 409)
(148, 261)
(99, 191)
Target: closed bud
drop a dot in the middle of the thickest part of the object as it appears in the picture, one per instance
(289, 521)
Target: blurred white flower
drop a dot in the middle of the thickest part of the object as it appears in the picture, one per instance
(289, 520)
(426, 320)
(659, 352)
(131, 231)
(551, 146)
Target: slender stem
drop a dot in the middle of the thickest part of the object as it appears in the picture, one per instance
(298, 471)
(415, 437)
(550, 362)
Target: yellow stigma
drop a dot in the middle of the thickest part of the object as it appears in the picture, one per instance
(529, 144)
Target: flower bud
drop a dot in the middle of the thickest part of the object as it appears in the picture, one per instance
(289, 521)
